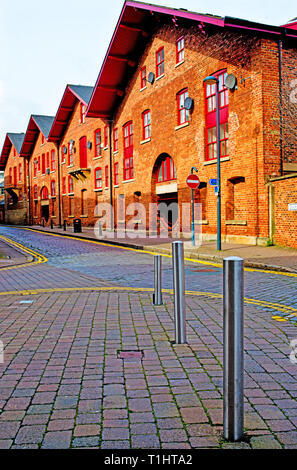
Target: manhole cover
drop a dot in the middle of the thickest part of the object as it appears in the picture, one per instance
(130, 354)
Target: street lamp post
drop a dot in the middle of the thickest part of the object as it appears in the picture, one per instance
(213, 79)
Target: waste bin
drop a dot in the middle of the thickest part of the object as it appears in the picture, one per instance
(76, 225)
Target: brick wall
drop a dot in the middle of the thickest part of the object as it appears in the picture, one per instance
(16, 211)
(284, 220)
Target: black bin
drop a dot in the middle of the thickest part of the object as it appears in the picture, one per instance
(76, 225)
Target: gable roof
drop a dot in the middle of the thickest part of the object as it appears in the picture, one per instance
(135, 26)
(37, 123)
(11, 139)
(72, 94)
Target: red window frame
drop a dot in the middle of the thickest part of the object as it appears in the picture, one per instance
(70, 185)
(63, 155)
(98, 178)
(105, 136)
(146, 124)
(180, 50)
(115, 139)
(35, 192)
(70, 153)
(43, 164)
(53, 160)
(106, 176)
(35, 163)
(53, 188)
(166, 170)
(128, 150)
(20, 172)
(143, 77)
(64, 185)
(44, 193)
(160, 62)
(82, 113)
(47, 160)
(183, 114)
(211, 117)
(38, 163)
(116, 173)
(98, 141)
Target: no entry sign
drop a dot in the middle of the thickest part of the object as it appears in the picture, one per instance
(193, 181)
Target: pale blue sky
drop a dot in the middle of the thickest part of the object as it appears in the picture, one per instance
(45, 45)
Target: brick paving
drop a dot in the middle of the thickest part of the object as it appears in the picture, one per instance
(63, 384)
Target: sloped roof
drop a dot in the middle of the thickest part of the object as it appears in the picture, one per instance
(136, 24)
(11, 139)
(37, 124)
(72, 94)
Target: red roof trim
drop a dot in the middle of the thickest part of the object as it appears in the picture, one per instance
(5, 152)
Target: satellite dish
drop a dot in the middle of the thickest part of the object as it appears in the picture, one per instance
(64, 149)
(151, 77)
(89, 144)
(230, 81)
(188, 103)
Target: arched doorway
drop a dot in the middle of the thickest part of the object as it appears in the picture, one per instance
(44, 203)
(164, 189)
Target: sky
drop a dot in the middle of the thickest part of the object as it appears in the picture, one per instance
(45, 45)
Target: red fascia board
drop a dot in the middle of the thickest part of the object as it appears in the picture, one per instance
(31, 129)
(5, 151)
(57, 128)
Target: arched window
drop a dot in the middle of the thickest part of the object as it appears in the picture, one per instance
(44, 193)
(166, 170)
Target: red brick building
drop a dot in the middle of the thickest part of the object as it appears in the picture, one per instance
(151, 117)
(15, 179)
(41, 158)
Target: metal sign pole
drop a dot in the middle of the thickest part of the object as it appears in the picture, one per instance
(192, 223)
(157, 297)
(179, 292)
(233, 348)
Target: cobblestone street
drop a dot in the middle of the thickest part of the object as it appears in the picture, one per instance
(70, 321)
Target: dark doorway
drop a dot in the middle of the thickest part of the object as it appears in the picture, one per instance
(45, 212)
(167, 211)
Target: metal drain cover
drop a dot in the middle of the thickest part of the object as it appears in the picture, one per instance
(130, 354)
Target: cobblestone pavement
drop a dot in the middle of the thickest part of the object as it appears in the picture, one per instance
(63, 383)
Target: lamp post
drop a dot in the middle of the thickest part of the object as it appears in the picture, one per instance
(212, 79)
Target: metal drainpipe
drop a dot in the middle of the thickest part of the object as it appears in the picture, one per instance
(280, 103)
(111, 173)
(59, 184)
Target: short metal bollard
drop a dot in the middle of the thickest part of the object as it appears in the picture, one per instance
(52, 225)
(233, 348)
(64, 225)
(179, 292)
(42, 222)
(157, 296)
(100, 229)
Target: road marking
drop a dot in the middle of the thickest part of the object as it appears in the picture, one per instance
(39, 258)
(208, 263)
(258, 303)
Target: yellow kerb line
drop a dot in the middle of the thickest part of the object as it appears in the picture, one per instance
(39, 257)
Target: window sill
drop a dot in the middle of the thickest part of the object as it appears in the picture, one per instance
(128, 181)
(235, 222)
(185, 124)
(116, 186)
(53, 217)
(106, 187)
(97, 158)
(70, 166)
(145, 141)
(115, 152)
(70, 194)
(105, 148)
(63, 163)
(201, 222)
(70, 216)
(160, 76)
(179, 63)
(99, 190)
(211, 162)
(144, 88)
(83, 216)
(52, 171)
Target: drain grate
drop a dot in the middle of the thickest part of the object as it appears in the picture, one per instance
(130, 354)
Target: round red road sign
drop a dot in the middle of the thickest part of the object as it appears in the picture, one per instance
(193, 181)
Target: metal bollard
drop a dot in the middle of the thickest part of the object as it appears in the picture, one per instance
(233, 348)
(52, 225)
(64, 225)
(179, 292)
(100, 229)
(42, 222)
(157, 296)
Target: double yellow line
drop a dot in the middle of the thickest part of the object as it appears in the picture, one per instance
(38, 258)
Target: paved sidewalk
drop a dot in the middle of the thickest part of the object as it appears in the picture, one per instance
(12, 256)
(64, 384)
(271, 257)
